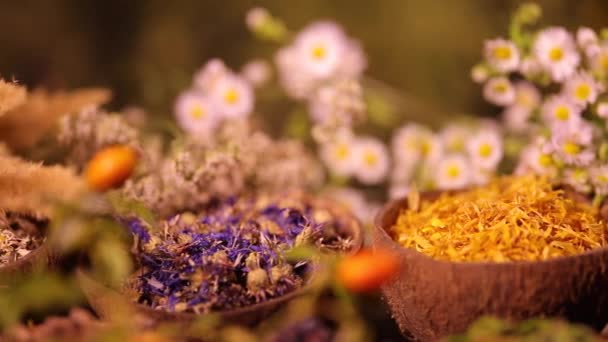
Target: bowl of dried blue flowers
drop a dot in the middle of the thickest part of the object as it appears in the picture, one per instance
(231, 258)
(21, 242)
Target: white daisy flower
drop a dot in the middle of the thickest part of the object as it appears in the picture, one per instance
(412, 143)
(516, 118)
(587, 40)
(453, 172)
(319, 53)
(339, 103)
(599, 62)
(257, 72)
(402, 173)
(534, 159)
(485, 149)
(560, 110)
(480, 176)
(195, 113)
(555, 50)
(530, 67)
(582, 89)
(572, 143)
(527, 95)
(256, 17)
(209, 74)
(397, 191)
(502, 55)
(499, 91)
(602, 110)
(371, 160)
(479, 74)
(454, 136)
(339, 155)
(233, 96)
(599, 179)
(578, 178)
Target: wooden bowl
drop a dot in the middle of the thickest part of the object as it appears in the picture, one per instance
(102, 298)
(434, 298)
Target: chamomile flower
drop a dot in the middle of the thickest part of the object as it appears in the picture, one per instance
(534, 159)
(257, 72)
(479, 74)
(499, 91)
(195, 113)
(232, 96)
(480, 176)
(599, 62)
(412, 143)
(485, 149)
(452, 172)
(578, 178)
(527, 98)
(555, 50)
(530, 67)
(599, 179)
(402, 172)
(502, 55)
(560, 110)
(371, 160)
(209, 74)
(453, 137)
(602, 110)
(319, 53)
(572, 144)
(339, 155)
(587, 40)
(338, 104)
(516, 118)
(582, 89)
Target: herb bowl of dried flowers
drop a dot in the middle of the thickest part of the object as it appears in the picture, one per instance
(21, 242)
(231, 258)
(516, 248)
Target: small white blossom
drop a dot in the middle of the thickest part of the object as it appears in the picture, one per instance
(480, 176)
(599, 179)
(195, 113)
(499, 91)
(371, 160)
(599, 61)
(485, 149)
(454, 136)
(530, 67)
(412, 143)
(402, 172)
(453, 172)
(534, 159)
(339, 155)
(572, 143)
(233, 96)
(587, 40)
(582, 89)
(479, 74)
(602, 110)
(555, 50)
(561, 111)
(256, 17)
(578, 178)
(527, 98)
(256, 72)
(502, 55)
(338, 104)
(209, 74)
(397, 191)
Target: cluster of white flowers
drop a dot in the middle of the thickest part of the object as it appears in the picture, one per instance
(217, 94)
(553, 92)
(456, 157)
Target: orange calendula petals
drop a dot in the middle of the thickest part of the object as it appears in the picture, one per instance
(510, 219)
(110, 167)
(367, 270)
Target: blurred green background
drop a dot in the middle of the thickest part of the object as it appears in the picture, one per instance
(146, 51)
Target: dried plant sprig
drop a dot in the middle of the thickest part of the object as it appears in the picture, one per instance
(11, 95)
(25, 125)
(30, 187)
(19, 235)
(511, 219)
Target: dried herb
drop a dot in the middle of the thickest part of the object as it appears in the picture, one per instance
(511, 219)
(19, 236)
(230, 255)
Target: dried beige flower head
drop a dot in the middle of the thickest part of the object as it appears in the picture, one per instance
(27, 187)
(26, 124)
(11, 96)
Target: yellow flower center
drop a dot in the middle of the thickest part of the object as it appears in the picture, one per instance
(502, 52)
(583, 91)
(452, 171)
(556, 54)
(370, 158)
(319, 52)
(342, 151)
(485, 150)
(604, 62)
(425, 148)
(545, 160)
(197, 112)
(603, 178)
(562, 113)
(571, 148)
(500, 87)
(231, 96)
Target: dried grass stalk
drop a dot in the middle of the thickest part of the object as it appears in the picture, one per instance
(30, 187)
(11, 96)
(25, 125)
